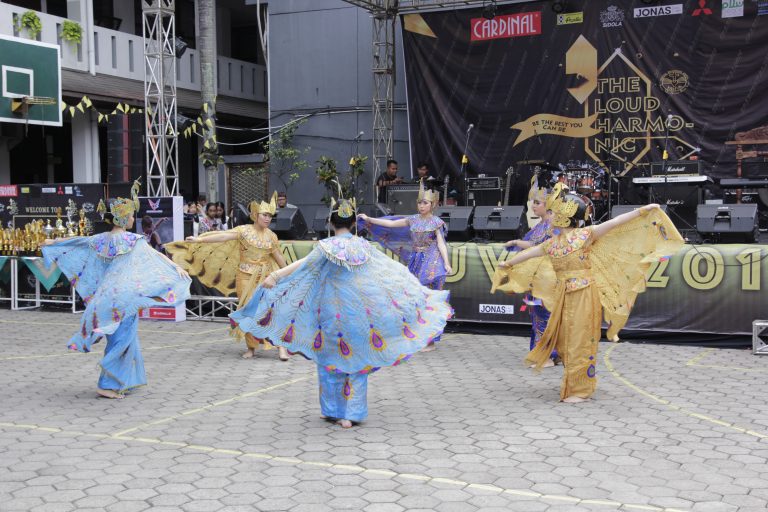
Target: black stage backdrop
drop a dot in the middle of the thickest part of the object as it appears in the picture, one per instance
(598, 84)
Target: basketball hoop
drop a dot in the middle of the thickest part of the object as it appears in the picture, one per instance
(21, 105)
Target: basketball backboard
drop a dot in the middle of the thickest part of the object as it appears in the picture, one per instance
(30, 82)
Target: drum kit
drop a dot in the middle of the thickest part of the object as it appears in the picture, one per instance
(586, 178)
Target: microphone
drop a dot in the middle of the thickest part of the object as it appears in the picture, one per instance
(469, 129)
(359, 135)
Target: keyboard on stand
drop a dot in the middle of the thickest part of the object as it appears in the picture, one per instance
(672, 180)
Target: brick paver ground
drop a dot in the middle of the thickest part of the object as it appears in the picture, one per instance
(463, 428)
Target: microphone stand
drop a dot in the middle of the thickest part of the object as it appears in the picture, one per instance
(463, 169)
(354, 152)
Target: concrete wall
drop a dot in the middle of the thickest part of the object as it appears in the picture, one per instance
(320, 58)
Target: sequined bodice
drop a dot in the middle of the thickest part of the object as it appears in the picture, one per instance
(255, 247)
(569, 253)
(424, 231)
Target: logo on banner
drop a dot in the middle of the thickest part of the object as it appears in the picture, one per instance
(569, 18)
(9, 190)
(88, 207)
(702, 9)
(733, 8)
(507, 26)
(674, 81)
(659, 10)
(48, 190)
(622, 119)
(612, 17)
(153, 206)
(497, 309)
(762, 7)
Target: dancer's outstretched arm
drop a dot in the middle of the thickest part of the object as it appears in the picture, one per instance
(277, 275)
(606, 227)
(523, 256)
(221, 236)
(387, 223)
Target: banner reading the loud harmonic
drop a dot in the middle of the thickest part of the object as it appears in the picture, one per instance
(609, 83)
(717, 289)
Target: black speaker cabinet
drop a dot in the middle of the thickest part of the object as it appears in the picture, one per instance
(320, 223)
(499, 222)
(621, 209)
(728, 222)
(401, 199)
(458, 219)
(289, 224)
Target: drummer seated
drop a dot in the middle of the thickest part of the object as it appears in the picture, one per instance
(422, 173)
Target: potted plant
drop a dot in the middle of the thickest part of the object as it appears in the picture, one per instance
(30, 21)
(72, 31)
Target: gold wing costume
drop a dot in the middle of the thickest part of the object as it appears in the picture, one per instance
(580, 281)
(236, 266)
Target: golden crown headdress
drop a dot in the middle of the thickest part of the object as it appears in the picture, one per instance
(563, 209)
(122, 208)
(257, 207)
(426, 194)
(344, 207)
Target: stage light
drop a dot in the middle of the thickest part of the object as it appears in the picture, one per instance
(558, 6)
(489, 9)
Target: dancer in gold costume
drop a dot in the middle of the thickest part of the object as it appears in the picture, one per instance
(582, 274)
(236, 260)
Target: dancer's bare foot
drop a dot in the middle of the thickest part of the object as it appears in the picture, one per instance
(248, 354)
(282, 353)
(574, 400)
(344, 423)
(110, 393)
(429, 348)
(548, 364)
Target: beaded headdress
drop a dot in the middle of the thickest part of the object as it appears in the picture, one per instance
(426, 194)
(563, 207)
(122, 208)
(344, 207)
(257, 207)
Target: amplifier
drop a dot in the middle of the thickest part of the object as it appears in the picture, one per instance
(401, 199)
(676, 168)
(487, 183)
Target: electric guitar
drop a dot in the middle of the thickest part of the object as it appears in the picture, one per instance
(532, 219)
(508, 181)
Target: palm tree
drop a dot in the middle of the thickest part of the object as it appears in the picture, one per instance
(207, 46)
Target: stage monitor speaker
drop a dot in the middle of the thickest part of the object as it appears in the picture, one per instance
(320, 222)
(620, 209)
(499, 222)
(728, 223)
(458, 220)
(401, 199)
(375, 210)
(289, 224)
(490, 197)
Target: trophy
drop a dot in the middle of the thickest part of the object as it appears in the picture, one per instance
(71, 212)
(61, 231)
(48, 230)
(81, 223)
(101, 209)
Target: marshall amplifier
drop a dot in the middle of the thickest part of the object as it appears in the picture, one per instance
(484, 183)
(676, 168)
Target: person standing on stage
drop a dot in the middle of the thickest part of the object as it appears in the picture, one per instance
(582, 274)
(387, 178)
(282, 201)
(539, 234)
(350, 309)
(116, 274)
(236, 260)
(418, 240)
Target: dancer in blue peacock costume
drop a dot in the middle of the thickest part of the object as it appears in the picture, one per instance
(539, 203)
(116, 274)
(349, 308)
(418, 240)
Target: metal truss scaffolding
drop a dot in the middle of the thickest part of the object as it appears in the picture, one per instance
(160, 97)
(384, 15)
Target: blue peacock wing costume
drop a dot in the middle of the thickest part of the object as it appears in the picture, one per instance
(116, 275)
(349, 308)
